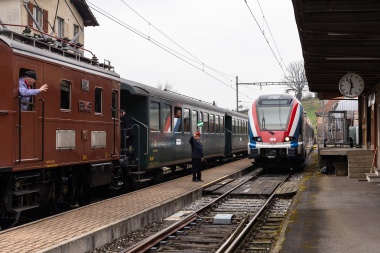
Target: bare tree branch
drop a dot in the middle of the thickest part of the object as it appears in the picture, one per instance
(296, 75)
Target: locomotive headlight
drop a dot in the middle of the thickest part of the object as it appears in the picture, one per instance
(257, 139)
(289, 138)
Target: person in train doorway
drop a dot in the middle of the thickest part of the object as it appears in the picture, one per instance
(196, 156)
(26, 82)
(126, 123)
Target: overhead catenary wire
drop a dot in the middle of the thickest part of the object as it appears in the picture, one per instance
(266, 39)
(166, 36)
(167, 49)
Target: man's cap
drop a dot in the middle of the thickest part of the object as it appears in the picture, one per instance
(122, 110)
(198, 133)
(30, 74)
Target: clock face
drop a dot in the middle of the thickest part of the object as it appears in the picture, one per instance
(351, 85)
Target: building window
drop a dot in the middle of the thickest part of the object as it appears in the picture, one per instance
(76, 31)
(98, 100)
(65, 94)
(60, 27)
(154, 116)
(37, 14)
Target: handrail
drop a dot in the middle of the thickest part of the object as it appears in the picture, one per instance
(147, 135)
(19, 129)
(43, 128)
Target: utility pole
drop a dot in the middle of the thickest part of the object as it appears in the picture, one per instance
(237, 94)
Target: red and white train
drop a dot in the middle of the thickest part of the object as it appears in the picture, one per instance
(280, 133)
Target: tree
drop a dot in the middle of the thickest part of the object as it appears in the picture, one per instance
(296, 75)
(166, 86)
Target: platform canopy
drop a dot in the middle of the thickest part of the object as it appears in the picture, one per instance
(339, 37)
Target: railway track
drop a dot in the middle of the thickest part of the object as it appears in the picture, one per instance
(233, 216)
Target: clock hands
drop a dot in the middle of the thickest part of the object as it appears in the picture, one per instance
(352, 85)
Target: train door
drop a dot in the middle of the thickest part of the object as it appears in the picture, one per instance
(228, 135)
(29, 128)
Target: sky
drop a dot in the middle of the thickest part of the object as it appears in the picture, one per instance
(199, 46)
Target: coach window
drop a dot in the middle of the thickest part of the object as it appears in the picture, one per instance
(217, 124)
(177, 120)
(212, 123)
(205, 123)
(200, 119)
(167, 117)
(114, 104)
(154, 114)
(222, 124)
(194, 119)
(65, 94)
(98, 100)
(186, 120)
(233, 126)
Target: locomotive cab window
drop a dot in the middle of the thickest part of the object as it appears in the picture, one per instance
(273, 117)
(154, 114)
(65, 94)
(98, 100)
(27, 102)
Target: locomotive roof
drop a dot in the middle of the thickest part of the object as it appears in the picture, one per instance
(143, 89)
(32, 47)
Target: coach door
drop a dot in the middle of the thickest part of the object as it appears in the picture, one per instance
(29, 130)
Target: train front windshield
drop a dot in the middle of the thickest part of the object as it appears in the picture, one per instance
(273, 117)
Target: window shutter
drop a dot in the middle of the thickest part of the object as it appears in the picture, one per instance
(45, 21)
(30, 20)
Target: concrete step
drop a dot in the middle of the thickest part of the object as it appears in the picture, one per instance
(377, 171)
(372, 177)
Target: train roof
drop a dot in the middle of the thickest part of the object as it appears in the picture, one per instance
(143, 89)
(269, 99)
(33, 47)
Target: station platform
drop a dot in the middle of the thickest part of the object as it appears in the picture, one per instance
(86, 228)
(333, 214)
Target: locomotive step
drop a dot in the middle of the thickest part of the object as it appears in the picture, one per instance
(18, 177)
(23, 208)
(23, 192)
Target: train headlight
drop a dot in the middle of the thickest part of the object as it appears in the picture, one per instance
(258, 138)
(289, 138)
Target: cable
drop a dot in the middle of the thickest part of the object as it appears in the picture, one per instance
(262, 32)
(169, 50)
(274, 41)
(173, 52)
(199, 61)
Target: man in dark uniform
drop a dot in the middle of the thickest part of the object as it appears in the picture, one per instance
(196, 156)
